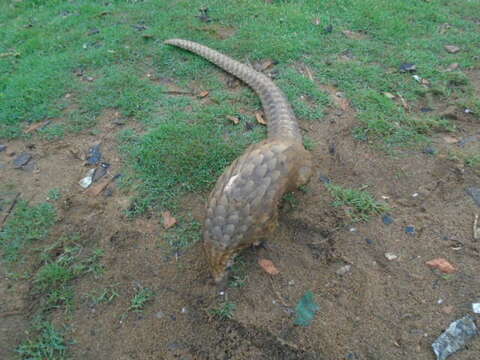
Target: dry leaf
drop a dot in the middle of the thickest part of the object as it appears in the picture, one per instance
(452, 49)
(233, 119)
(37, 126)
(442, 264)
(450, 139)
(168, 220)
(259, 117)
(316, 21)
(268, 266)
(404, 102)
(203, 94)
(389, 95)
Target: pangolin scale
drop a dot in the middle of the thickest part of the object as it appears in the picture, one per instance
(242, 209)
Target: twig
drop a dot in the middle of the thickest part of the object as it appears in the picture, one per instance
(476, 229)
(10, 313)
(12, 205)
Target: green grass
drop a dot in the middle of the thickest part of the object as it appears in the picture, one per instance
(359, 204)
(76, 59)
(140, 299)
(184, 234)
(105, 296)
(224, 310)
(49, 343)
(26, 225)
(54, 278)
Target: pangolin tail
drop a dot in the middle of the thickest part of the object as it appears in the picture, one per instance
(281, 121)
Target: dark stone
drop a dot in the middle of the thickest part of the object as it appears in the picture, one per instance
(410, 230)
(3, 147)
(430, 150)
(387, 219)
(408, 67)
(94, 155)
(22, 160)
(426, 109)
(324, 179)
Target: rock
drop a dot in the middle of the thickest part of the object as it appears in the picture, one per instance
(458, 334)
(22, 160)
(474, 192)
(100, 172)
(430, 150)
(426, 109)
(94, 155)
(87, 180)
(391, 256)
(387, 219)
(3, 147)
(476, 308)
(324, 179)
(343, 270)
(410, 230)
(408, 67)
(452, 49)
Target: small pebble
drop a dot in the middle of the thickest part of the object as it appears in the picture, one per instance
(184, 310)
(408, 67)
(343, 270)
(387, 219)
(440, 301)
(22, 160)
(369, 241)
(452, 49)
(324, 179)
(476, 308)
(353, 229)
(430, 150)
(410, 230)
(291, 282)
(415, 194)
(391, 256)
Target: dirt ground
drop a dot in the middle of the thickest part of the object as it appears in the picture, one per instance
(379, 309)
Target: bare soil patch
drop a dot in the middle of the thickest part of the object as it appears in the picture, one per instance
(379, 309)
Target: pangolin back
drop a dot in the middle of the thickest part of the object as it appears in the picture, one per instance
(281, 121)
(243, 206)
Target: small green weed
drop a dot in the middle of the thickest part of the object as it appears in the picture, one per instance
(27, 224)
(360, 204)
(184, 234)
(224, 311)
(54, 194)
(54, 278)
(48, 344)
(106, 296)
(140, 299)
(238, 274)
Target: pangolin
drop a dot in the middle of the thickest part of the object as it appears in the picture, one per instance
(242, 209)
